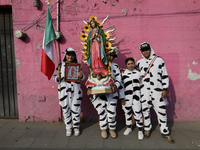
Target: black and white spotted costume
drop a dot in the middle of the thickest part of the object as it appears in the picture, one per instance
(70, 96)
(131, 83)
(105, 104)
(152, 86)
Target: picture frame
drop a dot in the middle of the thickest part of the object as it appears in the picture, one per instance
(71, 71)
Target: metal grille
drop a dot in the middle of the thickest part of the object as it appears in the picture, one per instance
(8, 90)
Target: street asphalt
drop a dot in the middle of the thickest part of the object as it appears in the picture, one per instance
(51, 135)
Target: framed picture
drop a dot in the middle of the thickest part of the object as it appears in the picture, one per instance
(71, 71)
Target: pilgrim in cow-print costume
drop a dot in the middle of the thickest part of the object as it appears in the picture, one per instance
(70, 96)
(105, 104)
(153, 86)
(131, 83)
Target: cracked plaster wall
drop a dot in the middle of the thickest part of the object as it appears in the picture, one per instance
(172, 28)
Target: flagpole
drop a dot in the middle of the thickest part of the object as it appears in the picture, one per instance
(59, 59)
(58, 25)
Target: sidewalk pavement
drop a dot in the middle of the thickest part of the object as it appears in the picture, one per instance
(51, 135)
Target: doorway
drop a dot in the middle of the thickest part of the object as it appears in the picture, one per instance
(8, 86)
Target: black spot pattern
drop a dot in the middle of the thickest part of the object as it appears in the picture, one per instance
(65, 107)
(151, 83)
(63, 98)
(98, 105)
(103, 97)
(102, 113)
(162, 107)
(151, 75)
(145, 69)
(136, 81)
(159, 80)
(147, 80)
(124, 77)
(136, 97)
(127, 84)
(159, 74)
(165, 77)
(136, 88)
(62, 88)
(79, 99)
(111, 112)
(103, 118)
(158, 89)
(129, 92)
(164, 130)
(77, 105)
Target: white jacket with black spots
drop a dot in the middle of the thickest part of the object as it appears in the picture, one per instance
(67, 88)
(156, 79)
(131, 83)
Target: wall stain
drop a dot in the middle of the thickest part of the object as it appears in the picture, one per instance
(193, 75)
(18, 62)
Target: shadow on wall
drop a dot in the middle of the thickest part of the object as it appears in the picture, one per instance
(170, 108)
(63, 40)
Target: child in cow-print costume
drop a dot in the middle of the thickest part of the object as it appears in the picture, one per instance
(154, 84)
(69, 93)
(105, 104)
(131, 84)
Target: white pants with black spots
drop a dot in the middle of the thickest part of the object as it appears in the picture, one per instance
(71, 107)
(159, 107)
(134, 106)
(106, 109)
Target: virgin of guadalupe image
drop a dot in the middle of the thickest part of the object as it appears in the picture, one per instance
(98, 47)
(72, 73)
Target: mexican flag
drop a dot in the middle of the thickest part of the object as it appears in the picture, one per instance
(48, 65)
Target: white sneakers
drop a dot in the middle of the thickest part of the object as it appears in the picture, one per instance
(68, 132)
(140, 135)
(127, 131)
(76, 132)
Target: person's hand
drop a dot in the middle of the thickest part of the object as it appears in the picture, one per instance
(58, 75)
(114, 88)
(123, 102)
(164, 94)
(88, 91)
(80, 75)
(122, 71)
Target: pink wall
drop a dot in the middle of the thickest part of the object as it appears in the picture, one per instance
(171, 27)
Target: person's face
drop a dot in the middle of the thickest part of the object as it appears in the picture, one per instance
(146, 53)
(93, 24)
(112, 58)
(130, 65)
(99, 77)
(70, 57)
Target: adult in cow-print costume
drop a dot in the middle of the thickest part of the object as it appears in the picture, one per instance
(154, 84)
(69, 93)
(105, 104)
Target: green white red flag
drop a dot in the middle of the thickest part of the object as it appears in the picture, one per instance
(48, 65)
